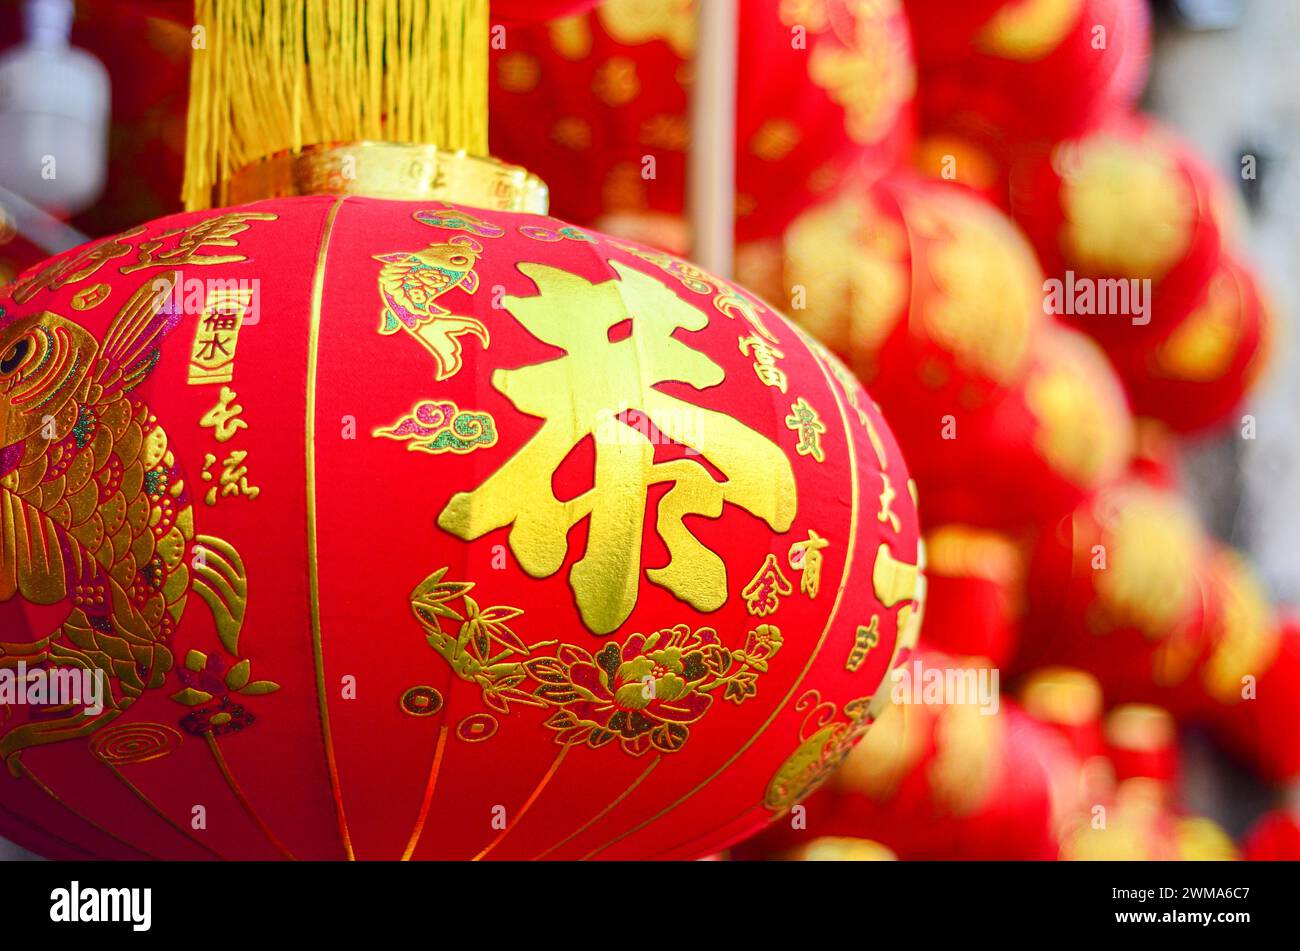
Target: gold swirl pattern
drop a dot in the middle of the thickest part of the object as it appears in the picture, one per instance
(134, 743)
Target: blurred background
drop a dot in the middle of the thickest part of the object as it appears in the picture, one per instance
(905, 182)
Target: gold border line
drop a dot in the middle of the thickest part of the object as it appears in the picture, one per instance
(429, 786)
(528, 804)
(26, 771)
(604, 812)
(244, 802)
(839, 598)
(157, 810)
(313, 573)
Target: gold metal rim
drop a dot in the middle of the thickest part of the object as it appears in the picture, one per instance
(390, 170)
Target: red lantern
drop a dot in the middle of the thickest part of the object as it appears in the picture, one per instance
(530, 10)
(944, 31)
(971, 786)
(935, 780)
(1117, 589)
(1034, 69)
(1275, 838)
(410, 529)
(1142, 742)
(1126, 203)
(1251, 680)
(973, 593)
(935, 300)
(1198, 372)
(597, 106)
(1063, 431)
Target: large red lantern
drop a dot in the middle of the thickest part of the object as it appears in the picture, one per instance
(597, 105)
(415, 529)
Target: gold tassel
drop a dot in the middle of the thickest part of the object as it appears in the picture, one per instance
(276, 75)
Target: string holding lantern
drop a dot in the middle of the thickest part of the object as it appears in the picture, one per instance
(597, 105)
(229, 544)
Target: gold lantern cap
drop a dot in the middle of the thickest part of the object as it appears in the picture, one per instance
(391, 170)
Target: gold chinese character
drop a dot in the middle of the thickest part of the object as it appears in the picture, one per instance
(575, 395)
(72, 269)
(212, 357)
(803, 419)
(765, 357)
(218, 232)
(224, 417)
(806, 558)
(233, 479)
(887, 497)
(866, 638)
(764, 592)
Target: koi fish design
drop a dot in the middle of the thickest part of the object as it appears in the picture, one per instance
(410, 284)
(95, 511)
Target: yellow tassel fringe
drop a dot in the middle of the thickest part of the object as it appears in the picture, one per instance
(276, 75)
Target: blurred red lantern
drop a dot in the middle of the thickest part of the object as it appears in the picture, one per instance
(1129, 588)
(972, 786)
(1033, 69)
(835, 848)
(934, 780)
(350, 503)
(597, 105)
(944, 31)
(1069, 701)
(1194, 375)
(1242, 634)
(1063, 431)
(1254, 684)
(1142, 743)
(973, 593)
(1116, 588)
(532, 10)
(935, 300)
(1126, 203)
(1274, 838)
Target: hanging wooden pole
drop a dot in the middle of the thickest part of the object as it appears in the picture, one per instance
(711, 166)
